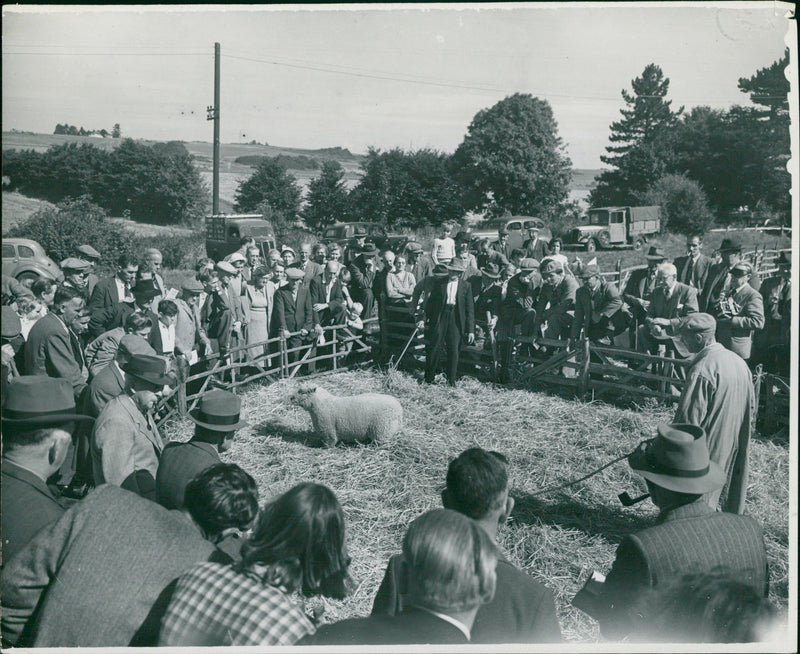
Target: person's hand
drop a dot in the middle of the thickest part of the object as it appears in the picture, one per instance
(318, 330)
(492, 322)
(421, 324)
(471, 339)
(661, 322)
(319, 306)
(303, 332)
(284, 333)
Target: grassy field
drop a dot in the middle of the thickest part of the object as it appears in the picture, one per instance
(17, 207)
(558, 539)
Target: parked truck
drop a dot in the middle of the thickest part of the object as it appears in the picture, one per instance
(617, 227)
(225, 231)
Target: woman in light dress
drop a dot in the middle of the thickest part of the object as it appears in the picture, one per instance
(258, 293)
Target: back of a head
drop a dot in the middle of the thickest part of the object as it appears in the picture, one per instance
(300, 538)
(476, 482)
(713, 607)
(221, 497)
(451, 562)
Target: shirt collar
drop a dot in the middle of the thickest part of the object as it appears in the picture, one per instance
(456, 623)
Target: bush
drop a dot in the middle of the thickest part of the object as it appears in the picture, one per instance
(60, 229)
(684, 207)
(178, 250)
(563, 218)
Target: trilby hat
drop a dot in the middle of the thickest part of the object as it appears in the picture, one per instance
(491, 270)
(38, 401)
(590, 271)
(456, 265)
(149, 368)
(677, 459)
(218, 410)
(440, 270)
(730, 245)
(655, 254)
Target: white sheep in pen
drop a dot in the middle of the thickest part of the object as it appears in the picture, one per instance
(365, 418)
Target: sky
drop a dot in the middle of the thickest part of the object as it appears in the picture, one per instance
(408, 76)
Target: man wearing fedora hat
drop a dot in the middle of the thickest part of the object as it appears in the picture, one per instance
(772, 343)
(599, 312)
(718, 395)
(693, 269)
(449, 318)
(688, 537)
(719, 275)
(39, 416)
(739, 311)
(216, 419)
(52, 348)
(125, 443)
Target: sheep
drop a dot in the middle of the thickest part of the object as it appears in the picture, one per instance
(365, 418)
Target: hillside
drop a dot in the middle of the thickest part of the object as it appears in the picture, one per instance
(17, 207)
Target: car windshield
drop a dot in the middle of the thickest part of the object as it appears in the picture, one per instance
(333, 232)
(598, 217)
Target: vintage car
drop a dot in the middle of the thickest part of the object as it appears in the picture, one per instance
(26, 260)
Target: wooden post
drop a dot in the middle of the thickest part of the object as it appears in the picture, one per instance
(619, 274)
(335, 350)
(758, 373)
(584, 382)
(181, 399)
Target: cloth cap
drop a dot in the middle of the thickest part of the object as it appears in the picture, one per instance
(226, 267)
(73, 263)
(131, 344)
(218, 410)
(88, 251)
(237, 256)
(11, 325)
(551, 265)
(677, 459)
(456, 265)
(730, 245)
(294, 273)
(742, 269)
(590, 271)
(37, 401)
(192, 286)
(413, 246)
(528, 264)
(491, 270)
(655, 254)
(502, 231)
(150, 368)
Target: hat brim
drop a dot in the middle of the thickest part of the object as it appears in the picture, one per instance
(214, 427)
(490, 275)
(156, 380)
(710, 481)
(45, 421)
(655, 257)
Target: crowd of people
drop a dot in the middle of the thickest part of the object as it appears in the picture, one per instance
(171, 546)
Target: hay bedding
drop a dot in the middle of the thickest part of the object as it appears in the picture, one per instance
(557, 538)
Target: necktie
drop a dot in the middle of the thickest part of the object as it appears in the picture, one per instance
(687, 279)
(76, 348)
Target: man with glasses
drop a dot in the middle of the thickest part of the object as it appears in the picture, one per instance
(76, 275)
(693, 268)
(671, 302)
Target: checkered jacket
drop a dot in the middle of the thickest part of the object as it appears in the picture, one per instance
(215, 605)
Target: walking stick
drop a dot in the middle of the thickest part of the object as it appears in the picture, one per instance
(410, 338)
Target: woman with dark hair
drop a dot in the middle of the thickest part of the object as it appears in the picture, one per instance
(297, 548)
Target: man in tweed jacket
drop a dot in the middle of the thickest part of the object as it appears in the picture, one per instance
(688, 537)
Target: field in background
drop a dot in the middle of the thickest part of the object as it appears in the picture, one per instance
(18, 207)
(558, 538)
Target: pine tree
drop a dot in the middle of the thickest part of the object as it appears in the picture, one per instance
(327, 199)
(636, 153)
(770, 88)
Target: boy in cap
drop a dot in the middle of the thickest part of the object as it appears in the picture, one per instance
(689, 536)
(125, 442)
(216, 419)
(739, 311)
(39, 416)
(718, 395)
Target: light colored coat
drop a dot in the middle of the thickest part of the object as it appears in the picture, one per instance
(719, 397)
(737, 333)
(123, 441)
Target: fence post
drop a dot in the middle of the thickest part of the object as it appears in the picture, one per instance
(181, 399)
(758, 373)
(584, 382)
(335, 350)
(619, 273)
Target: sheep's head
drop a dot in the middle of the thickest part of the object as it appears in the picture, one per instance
(302, 396)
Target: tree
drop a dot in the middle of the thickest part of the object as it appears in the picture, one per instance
(327, 200)
(684, 207)
(116, 131)
(407, 189)
(512, 158)
(272, 184)
(637, 154)
(769, 88)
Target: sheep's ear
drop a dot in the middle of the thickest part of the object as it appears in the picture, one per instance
(303, 390)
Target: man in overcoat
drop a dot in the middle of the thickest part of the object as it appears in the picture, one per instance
(293, 311)
(598, 308)
(670, 303)
(739, 312)
(693, 269)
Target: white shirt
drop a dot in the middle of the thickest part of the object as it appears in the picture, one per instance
(452, 289)
(167, 338)
(123, 290)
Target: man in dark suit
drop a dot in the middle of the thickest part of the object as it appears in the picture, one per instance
(216, 420)
(143, 293)
(772, 343)
(535, 247)
(449, 317)
(719, 276)
(670, 303)
(304, 262)
(293, 311)
(327, 297)
(694, 267)
(522, 611)
(109, 292)
(641, 284)
(688, 537)
(39, 415)
(52, 348)
(102, 575)
(556, 303)
(598, 308)
(447, 572)
(502, 245)
(362, 273)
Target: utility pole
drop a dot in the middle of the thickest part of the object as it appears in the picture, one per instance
(213, 114)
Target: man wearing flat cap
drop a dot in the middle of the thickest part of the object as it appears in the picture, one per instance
(688, 537)
(420, 263)
(92, 257)
(449, 318)
(599, 312)
(216, 419)
(293, 311)
(363, 270)
(556, 303)
(718, 395)
(39, 416)
(739, 311)
(125, 443)
(189, 333)
(76, 275)
(642, 283)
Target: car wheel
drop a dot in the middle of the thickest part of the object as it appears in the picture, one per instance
(591, 245)
(27, 278)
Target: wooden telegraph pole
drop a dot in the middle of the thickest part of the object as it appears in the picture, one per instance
(213, 114)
